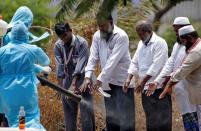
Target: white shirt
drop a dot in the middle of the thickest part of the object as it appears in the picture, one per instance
(113, 56)
(149, 59)
(174, 61)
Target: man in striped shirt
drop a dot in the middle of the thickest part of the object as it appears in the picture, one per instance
(71, 55)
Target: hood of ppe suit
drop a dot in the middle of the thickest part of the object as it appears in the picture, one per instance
(19, 33)
(23, 14)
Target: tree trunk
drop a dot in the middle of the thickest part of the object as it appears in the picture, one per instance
(159, 14)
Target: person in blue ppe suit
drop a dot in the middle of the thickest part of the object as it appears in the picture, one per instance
(25, 15)
(18, 78)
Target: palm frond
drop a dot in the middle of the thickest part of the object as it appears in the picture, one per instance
(84, 6)
(66, 7)
(106, 9)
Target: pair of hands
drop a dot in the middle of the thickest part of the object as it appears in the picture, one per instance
(166, 85)
(151, 87)
(87, 85)
(137, 90)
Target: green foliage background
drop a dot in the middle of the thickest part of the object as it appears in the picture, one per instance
(43, 14)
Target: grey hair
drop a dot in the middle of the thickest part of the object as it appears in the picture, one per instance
(143, 26)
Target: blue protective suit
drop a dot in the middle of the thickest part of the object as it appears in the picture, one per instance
(18, 79)
(25, 15)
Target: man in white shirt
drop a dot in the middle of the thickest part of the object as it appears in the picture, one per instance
(110, 47)
(188, 110)
(149, 58)
(190, 69)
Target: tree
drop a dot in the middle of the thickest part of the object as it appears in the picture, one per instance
(162, 8)
(79, 7)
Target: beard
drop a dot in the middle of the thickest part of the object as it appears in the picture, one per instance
(108, 34)
(178, 40)
(188, 45)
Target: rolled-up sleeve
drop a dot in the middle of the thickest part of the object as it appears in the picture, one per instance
(82, 59)
(191, 63)
(93, 58)
(120, 48)
(159, 58)
(59, 62)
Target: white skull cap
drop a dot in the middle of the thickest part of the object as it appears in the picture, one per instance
(181, 21)
(186, 30)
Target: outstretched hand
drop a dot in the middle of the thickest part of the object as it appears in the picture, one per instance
(151, 88)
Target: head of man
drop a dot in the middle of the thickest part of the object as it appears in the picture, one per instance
(64, 32)
(178, 23)
(144, 31)
(188, 36)
(105, 25)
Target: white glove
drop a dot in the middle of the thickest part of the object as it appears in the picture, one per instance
(46, 69)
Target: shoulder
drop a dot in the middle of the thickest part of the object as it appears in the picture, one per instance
(80, 40)
(120, 32)
(197, 49)
(96, 35)
(159, 41)
(58, 44)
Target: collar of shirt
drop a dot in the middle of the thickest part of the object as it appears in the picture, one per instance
(194, 45)
(152, 40)
(72, 42)
(114, 32)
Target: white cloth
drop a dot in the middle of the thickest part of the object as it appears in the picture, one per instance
(150, 59)
(113, 56)
(174, 61)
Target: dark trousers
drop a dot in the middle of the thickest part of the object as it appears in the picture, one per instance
(86, 111)
(3, 120)
(120, 111)
(158, 112)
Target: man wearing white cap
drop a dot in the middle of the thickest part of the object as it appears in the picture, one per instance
(190, 69)
(187, 110)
